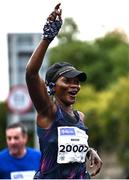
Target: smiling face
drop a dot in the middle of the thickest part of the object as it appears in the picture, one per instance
(66, 90)
(16, 141)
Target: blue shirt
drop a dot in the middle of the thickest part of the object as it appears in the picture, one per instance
(8, 164)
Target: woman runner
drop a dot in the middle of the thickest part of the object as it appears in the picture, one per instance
(62, 134)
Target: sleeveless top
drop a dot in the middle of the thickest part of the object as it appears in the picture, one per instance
(54, 163)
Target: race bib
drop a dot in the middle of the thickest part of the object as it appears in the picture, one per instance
(23, 175)
(72, 144)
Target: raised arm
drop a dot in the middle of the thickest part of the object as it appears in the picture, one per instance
(36, 86)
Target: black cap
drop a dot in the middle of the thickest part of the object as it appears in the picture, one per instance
(63, 69)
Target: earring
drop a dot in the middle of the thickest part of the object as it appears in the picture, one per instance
(51, 91)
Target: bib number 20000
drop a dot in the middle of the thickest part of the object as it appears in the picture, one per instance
(73, 148)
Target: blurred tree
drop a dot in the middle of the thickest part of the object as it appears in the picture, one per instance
(117, 120)
(113, 59)
(112, 39)
(87, 102)
(120, 60)
(68, 31)
(107, 117)
(104, 60)
(3, 121)
(94, 104)
(73, 52)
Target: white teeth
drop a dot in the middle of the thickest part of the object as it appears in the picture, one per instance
(73, 92)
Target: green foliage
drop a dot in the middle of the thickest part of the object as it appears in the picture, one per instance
(93, 104)
(104, 97)
(71, 52)
(107, 117)
(120, 60)
(117, 118)
(3, 121)
(88, 103)
(68, 31)
(104, 60)
(111, 40)
(114, 58)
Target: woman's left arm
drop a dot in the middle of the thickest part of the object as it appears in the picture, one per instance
(92, 155)
(95, 161)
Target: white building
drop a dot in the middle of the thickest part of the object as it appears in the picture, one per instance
(20, 48)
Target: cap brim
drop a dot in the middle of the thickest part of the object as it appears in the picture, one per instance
(74, 73)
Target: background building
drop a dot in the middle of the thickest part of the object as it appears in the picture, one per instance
(20, 48)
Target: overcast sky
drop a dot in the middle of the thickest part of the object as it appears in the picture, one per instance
(93, 17)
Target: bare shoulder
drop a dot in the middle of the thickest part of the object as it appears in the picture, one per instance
(82, 115)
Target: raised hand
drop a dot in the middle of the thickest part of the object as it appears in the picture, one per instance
(56, 14)
(53, 24)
